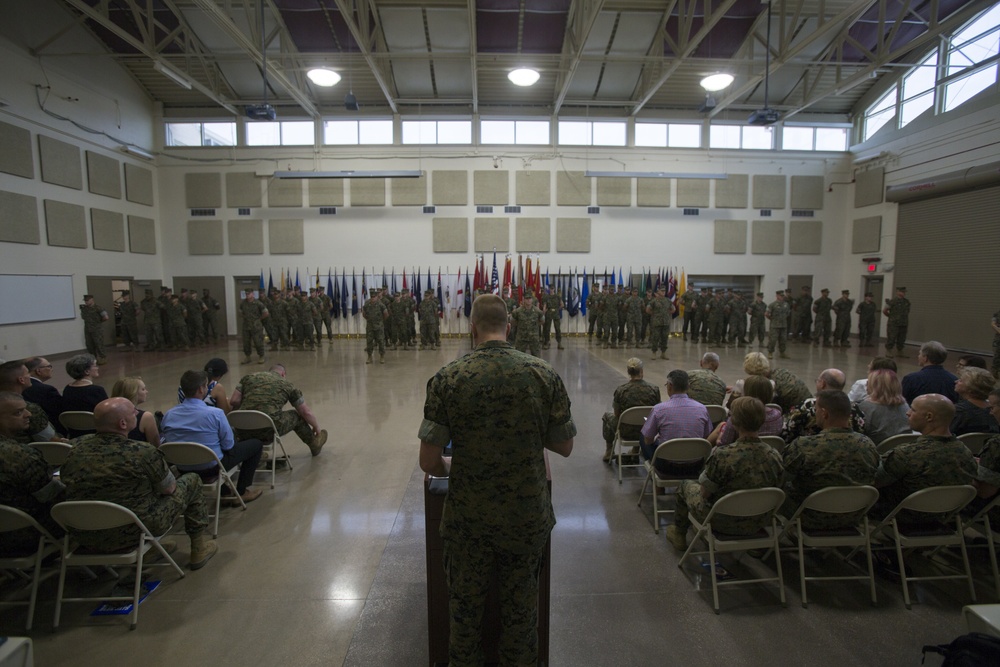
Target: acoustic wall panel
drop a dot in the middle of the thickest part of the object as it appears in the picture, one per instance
(104, 175)
(141, 235)
(19, 221)
(692, 192)
(60, 163)
(205, 237)
(285, 237)
(768, 237)
(491, 187)
(15, 151)
(107, 229)
(203, 190)
(533, 188)
(768, 191)
(450, 188)
(807, 192)
(572, 234)
(243, 188)
(614, 191)
(65, 224)
(572, 188)
(326, 192)
(492, 233)
(246, 237)
(732, 192)
(409, 191)
(138, 184)
(652, 192)
(284, 192)
(869, 187)
(368, 192)
(730, 237)
(532, 234)
(867, 235)
(451, 234)
(805, 237)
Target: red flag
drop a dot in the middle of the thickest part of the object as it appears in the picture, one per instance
(538, 277)
(477, 278)
(404, 278)
(506, 273)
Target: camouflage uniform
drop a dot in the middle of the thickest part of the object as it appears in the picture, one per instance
(326, 305)
(93, 331)
(610, 307)
(177, 313)
(499, 408)
(928, 461)
(409, 325)
(553, 312)
(527, 324)
(842, 328)
(279, 315)
(317, 316)
(26, 484)
(306, 322)
(988, 473)
(268, 392)
(777, 312)
(996, 346)
(688, 300)
(835, 457)
(130, 322)
(659, 320)
(635, 307)
(427, 311)
(648, 299)
(632, 394)
(738, 320)
(151, 323)
(717, 321)
(397, 317)
(789, 390)
(803, 317)
(757, 322)
(196, 309)
(822, 307)
(897, 311)
(867, 311)
(253, 314)
(110, 467)
(706, 387)
(209, 318)
(436, 321)
(39, 429)
(593, 301)
(699, 319)
(374, 312)
(745, 464)
(801, 420)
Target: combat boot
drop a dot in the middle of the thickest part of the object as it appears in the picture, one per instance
(784, 356)
(260, 359)
(202, 550)
(246, 360)
(381, 358)
(101, 361)
(369, 358)
(663, 355)
(608, 452)
(559, 346)
(316, 445)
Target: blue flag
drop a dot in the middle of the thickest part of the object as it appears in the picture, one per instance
(343, 294)
(334, 295)
(468, 296)
(261, 286)
(439, 295)
(354, 293)
(270, 281)
(297, 284)
(385, 284)
(584, 293)
(418, 292)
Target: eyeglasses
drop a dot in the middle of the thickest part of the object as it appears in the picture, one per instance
(45, 366)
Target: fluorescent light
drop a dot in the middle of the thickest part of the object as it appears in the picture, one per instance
(323, 77)
(172, 74)
(138, 152)
(716, 82)
(650, 174)
(392, 173)
(523, 76)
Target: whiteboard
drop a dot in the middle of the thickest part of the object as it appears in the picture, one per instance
(34, 298)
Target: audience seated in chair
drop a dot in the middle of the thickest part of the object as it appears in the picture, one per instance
(704, 385)
(217, 397)
(987, 480)
(972, 411)
(40, 393)
(859, 390)
(134, 389)
(759, 387)
(267, 392)
(14, 377)
(801, 419)
(81, 395)
(633, 394)
(886, 411)
(932, 378)
(677, 417)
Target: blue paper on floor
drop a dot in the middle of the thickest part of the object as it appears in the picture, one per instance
(124, 608)
(721, 573)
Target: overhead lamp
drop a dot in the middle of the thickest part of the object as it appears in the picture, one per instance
(136, 151)
(172, 74)
(651, 174)
(716, 82)
(524, 76)
(350, 173)
(323, 77)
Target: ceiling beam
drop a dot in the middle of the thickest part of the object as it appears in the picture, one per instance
(582, 17)
(366, 38)
(473, 49)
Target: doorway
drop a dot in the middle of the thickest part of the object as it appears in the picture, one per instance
(875, 285)
(107, 292)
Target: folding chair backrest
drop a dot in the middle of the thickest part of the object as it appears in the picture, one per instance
(938, 499)
(78, 420)
(249, 420)
(842, 499)
(188, 453)
(634, 416)
(93, 515)
(749, 502)
(54, 453)
(892, 442)
(773, 405)
(683, 450)
(987, 509)
(975, 441)
(717, 413)
(775, 441)
(12, 518)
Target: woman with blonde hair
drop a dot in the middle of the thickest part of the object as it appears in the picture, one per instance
(972, 411)
(884, 408)
(134, 389)
(755, 364)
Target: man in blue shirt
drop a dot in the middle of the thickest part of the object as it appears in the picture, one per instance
(932, 378)
(195, 421)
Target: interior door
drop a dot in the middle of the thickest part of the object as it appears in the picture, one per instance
(874, 284)
(102, 287)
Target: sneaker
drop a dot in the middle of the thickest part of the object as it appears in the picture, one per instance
(677, 539)
(317, 443)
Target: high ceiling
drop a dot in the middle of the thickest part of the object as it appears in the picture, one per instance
(610, 58)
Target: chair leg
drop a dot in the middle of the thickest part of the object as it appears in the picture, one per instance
(802, 563)
(34, 583)
(993, 553)
(218, 505)
(902, 565)
(871, 565)
(656, 506)
(965, 558)
(62, 584)
(777, 562)
(711, 568)
(137, 587)
(643, 492)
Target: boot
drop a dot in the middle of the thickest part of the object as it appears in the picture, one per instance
(559, 346)
(784, 356)
(260, 359)
(246, 359)
(202, 550)
(770, 355)
(608, 452)
(316, 445)
(101, 361)
(663, 355)
(369, 358)
(654, 354)
(381, 358)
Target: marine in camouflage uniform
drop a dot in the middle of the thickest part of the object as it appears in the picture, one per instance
(326, 305)
(688, 301)
(867, 311)
(130, 320)
(803, 316)
(757, 320)
(409, 310)
(715, 318)
(988, 475)
(177, 314)
(164, 301)
(317, 314)
(646, 300)
(152, 325)
(593, 304)
(375, 314)
(995, 322)
(209, 318)
(699, 320)
(196, 310)
(553, 318)
(834, 457)
(93, 330)
(527, 326)
(397, 316)
(801, 420)
(738, 320)
(747, 463)
(659, 319)
(634, 308)
(499, 409)
(824, 323)
(706, 387)
(623, 296)
(897, 311)
(842, 307)
(611, 309)
(133, 474)
(427, 311)
(789, 390)
(267, 392)
(777, 311)
(306, 319)
(253, 313)
(633, 394)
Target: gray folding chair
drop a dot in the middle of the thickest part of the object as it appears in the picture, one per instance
(22, 564)
(195, 454)
(678, 451)
(254, 420)
(775, 441)
(631, 417)
(894, 441)
(77, 420)
(975, 441)
(980, 523)
(54, 453)
(717, 413)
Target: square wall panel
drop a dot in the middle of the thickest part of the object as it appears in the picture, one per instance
(768, 237)
(284, 193)
(409, 191)
(807, 192)
(652, 192)
(805, 237)
(450, 188)
(869, 187)
(573, 234)
(104, 175)
(491, 187)
(532, 234)
(533, 188)
(205, 237)
(203, 190)
(246, 237)
(243, 188)
(65, 224)
(285, 237)
(732, 192)
(614, 191)
(730, 237)
(768, 191)
(15, 151)
(141, 235)
(692, 192)
(367, 192)
(451, 234)
(326, 192)
(138, 184)
(573, 188)
(19, 222)
(107, 229)
(867, 235)
(492, 233)
(60, 163)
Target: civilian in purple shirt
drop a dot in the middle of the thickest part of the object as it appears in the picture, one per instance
(677, 417)
(195, 421)
(932, 378)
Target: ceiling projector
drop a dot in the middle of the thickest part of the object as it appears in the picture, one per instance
(260, 112)
(764, 116)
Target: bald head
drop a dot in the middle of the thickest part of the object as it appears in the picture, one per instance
(710, 360)
(931, 414)
(114, 415)
(831, 378)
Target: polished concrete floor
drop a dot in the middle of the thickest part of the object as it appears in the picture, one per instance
(328, 568)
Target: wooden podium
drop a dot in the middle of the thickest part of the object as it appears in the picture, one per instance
(437, 592)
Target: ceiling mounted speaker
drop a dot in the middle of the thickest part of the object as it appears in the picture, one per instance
(351, 102)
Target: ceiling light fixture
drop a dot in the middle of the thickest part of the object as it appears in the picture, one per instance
(523, 76)
(172, 74)
(716, 82)
(323, 77)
